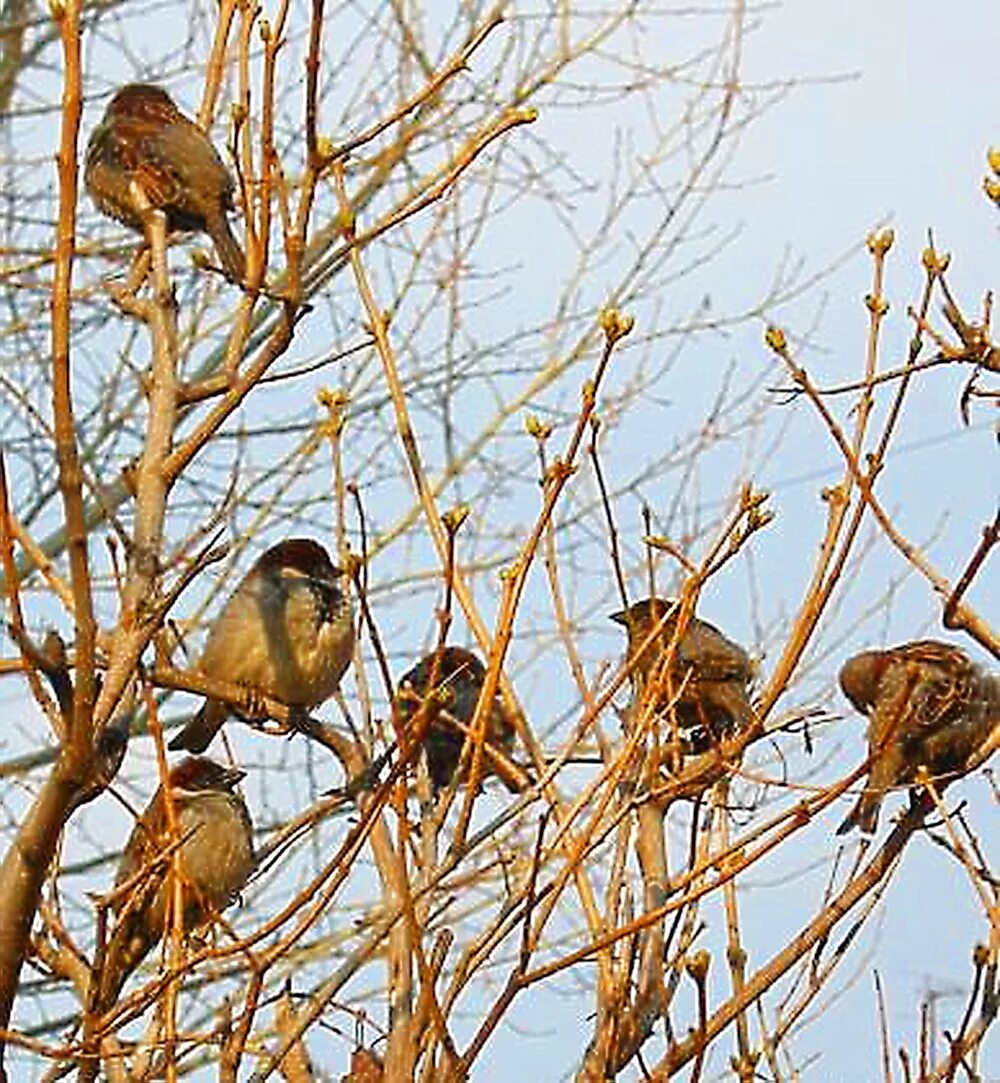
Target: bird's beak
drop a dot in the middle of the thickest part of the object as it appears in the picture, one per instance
(233, 775)
(621, 617)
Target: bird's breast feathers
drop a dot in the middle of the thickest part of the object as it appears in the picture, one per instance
(273, 637)
(218, 855)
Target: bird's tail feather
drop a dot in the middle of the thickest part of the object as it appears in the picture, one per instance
(863, 815)
(199, 730)
(231, 255)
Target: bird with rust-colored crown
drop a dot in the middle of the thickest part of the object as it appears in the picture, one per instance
(928, 706)
(216, 860)
(144, 141)
(286, 632)
(445, 687)
(708, 678)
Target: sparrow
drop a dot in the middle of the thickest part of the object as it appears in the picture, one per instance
(144, 138)
(446, 685)
(287, 632)
(709, 675)
(216, 859)
(928, 705)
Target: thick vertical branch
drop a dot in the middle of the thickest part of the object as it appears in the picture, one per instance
(152, 478)
(64, 424)
(26, 862)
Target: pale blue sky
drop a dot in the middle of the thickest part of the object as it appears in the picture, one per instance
(904, 139)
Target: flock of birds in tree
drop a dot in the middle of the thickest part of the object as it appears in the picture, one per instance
(287, 631)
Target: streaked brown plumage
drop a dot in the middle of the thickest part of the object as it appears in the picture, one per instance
(287, 632)
(216, 860)
(928, 705)
(144, 138)
(709, 674)
(457, 684)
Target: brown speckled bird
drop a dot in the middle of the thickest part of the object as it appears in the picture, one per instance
(928, 704)
(709, 674)
(216, 860)
(457, 680)
(143, 138)
(286, 632)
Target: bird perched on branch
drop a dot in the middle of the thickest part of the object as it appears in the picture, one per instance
(215, 836)
(439, 694)
(705, 680)
(287, 632)
(144, 140)
(928, 705)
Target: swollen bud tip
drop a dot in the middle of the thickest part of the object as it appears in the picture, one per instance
(880, 242)
(615, 324)
(775, 338)
(455, 517)
(697, 965)
(534, 426)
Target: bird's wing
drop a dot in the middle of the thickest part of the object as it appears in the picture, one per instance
(713, 656)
